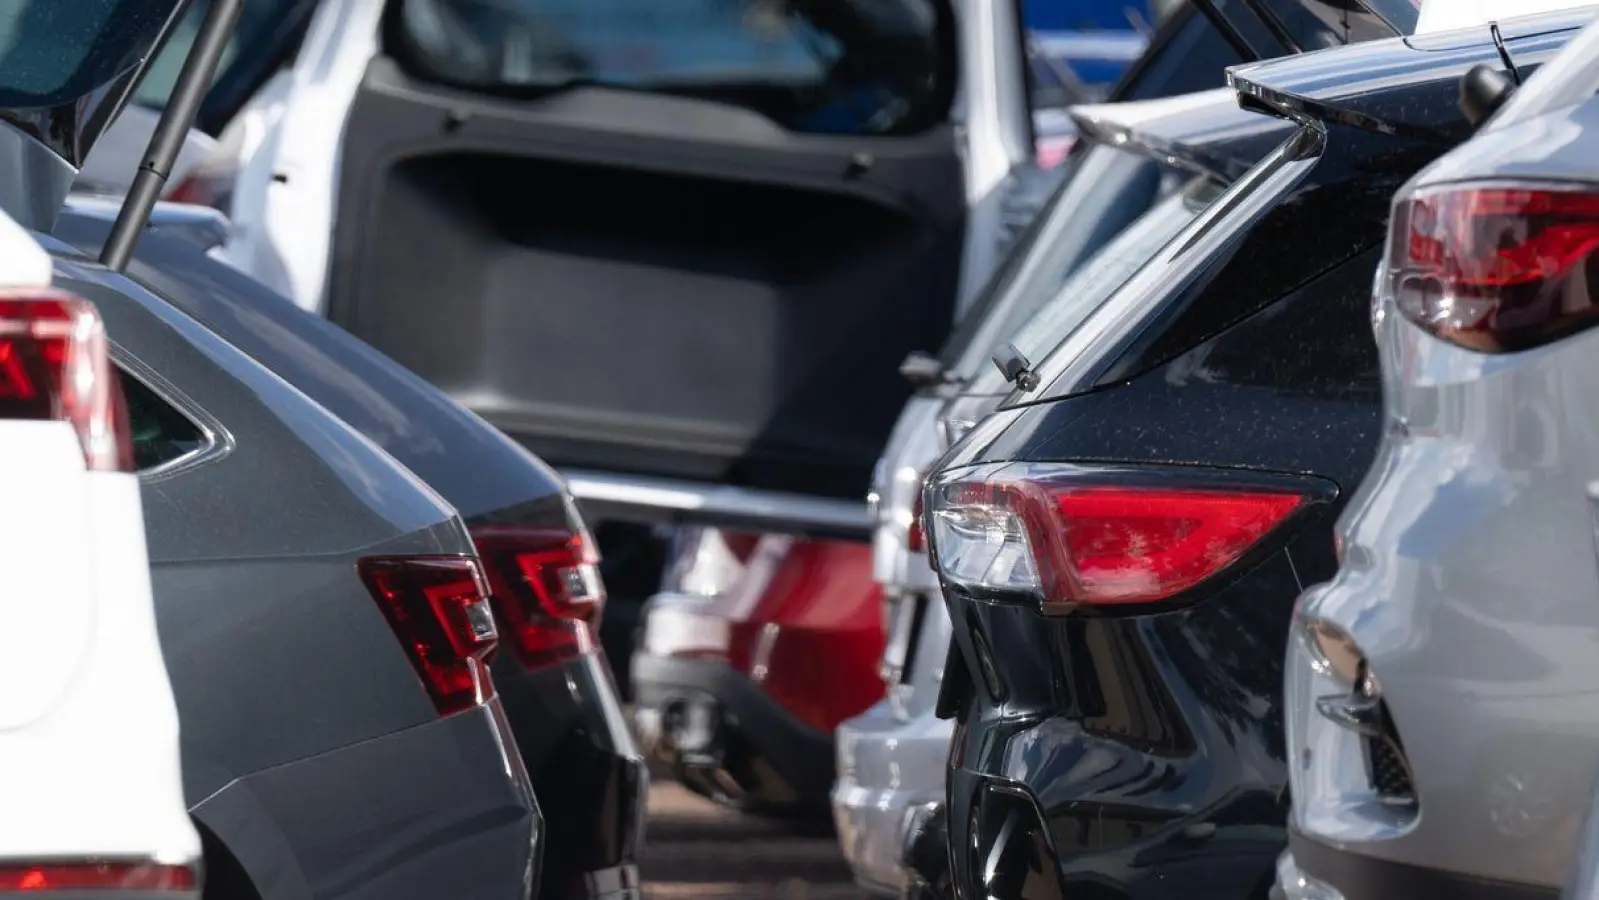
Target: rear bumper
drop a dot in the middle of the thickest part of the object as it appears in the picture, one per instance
(587, 772)
(440, 810)
(1357, 877)
(727, 739)
(886, 767)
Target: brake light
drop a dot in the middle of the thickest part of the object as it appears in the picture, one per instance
(547, 590)
(96, 876)
(438, 606)
(1045, 531)
(1496, 267)
(54, 365)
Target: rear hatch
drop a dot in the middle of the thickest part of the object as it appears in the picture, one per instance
(639, 255)
(1388, 106)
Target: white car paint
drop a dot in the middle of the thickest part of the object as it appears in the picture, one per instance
(89, 762)
(1448, 15)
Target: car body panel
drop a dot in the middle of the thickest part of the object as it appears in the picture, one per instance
(85, 667)
(1484, 675)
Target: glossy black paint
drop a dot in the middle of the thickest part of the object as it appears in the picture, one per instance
(588, 774)
(1141, 755)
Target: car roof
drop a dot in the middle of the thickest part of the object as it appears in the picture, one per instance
(1448, 15)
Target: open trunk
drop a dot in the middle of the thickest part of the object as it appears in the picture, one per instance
(665, 284)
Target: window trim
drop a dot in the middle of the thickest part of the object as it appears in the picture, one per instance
(217, 440)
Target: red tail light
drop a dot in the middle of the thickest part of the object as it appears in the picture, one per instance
(54, 365)
(439, 608)
(96, 876)
(547, 590)
(915, 538)
(1496, 267)
(1046, 532)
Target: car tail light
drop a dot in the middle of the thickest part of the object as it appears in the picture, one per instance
(438, 606)
(547, 590)
(54, 365)
(915, 538)
(1049, 532)
(1496, 267)
(96, 876)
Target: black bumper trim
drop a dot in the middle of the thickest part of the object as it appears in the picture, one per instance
(1360, 877)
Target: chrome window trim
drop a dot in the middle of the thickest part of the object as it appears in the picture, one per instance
(218, 441)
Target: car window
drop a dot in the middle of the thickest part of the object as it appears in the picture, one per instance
(1094, 282)
(161, 434)
(822, 67)
(262, 40)
(54, 52)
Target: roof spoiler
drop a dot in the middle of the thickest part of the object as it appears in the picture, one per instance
(1432, 66)
(199, 68)
(1205, 132)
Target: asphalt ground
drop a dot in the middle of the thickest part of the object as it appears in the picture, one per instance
(695, 849)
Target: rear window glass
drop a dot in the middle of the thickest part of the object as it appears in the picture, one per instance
(54, 52)
(1094, 282)
(823, 67)
(160, 433)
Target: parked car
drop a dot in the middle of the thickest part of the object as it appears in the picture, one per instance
(892, 759)
(1439, 687)
(1120, 544)
(754, 651)
(84, 669)
(324, 618)
(552, 680)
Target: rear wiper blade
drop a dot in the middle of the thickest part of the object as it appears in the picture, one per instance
(194, 80)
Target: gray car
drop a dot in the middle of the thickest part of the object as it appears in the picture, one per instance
(324, 618)
(1442, 712)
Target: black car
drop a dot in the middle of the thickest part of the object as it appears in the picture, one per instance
(551, 676)
(1121, 544)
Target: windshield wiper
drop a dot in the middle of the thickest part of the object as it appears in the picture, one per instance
(199, 68)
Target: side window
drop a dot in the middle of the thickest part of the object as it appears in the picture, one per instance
(161, 434)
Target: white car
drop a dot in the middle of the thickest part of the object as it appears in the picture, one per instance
(89, 764)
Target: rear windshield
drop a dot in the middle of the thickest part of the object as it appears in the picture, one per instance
(820, 67)
(1094, 282)
(54, 52)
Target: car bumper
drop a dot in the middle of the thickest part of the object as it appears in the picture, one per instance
(887, 767)
(1311, 870)
(587, 771)
(440, 810)
(727, 739)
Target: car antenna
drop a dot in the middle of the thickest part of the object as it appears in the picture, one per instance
(199, 68)
(1504, 52)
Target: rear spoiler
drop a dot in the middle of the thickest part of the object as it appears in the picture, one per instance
(1356, 85)
(1206, 132)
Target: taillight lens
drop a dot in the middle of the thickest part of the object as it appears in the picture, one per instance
(54, 365)
(1047, 532)
(439, 608)
(96, 876)
(1496, 267)
(915, 538)
(547, 589)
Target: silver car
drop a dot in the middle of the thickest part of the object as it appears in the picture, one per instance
(1442, 713)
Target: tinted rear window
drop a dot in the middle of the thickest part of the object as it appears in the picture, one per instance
(54, 52)
(831, 67)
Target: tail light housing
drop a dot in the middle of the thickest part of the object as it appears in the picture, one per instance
(55, 366)
(547, 590)
(1073, 537)
(96, 876)
(1494, 266)
(915, 536)
(439, 608)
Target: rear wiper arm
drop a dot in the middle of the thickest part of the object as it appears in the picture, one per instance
(194, 80)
